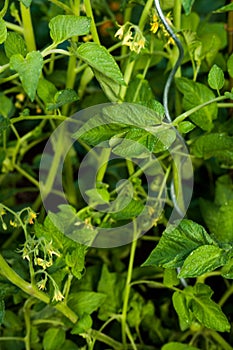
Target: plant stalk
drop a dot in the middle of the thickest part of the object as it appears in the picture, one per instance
(28, 30)
(13, 277)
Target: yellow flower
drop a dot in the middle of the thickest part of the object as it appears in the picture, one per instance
(42, 284)
(43, 263)
(154, 25)
(127, 39)
(120, 33)
(2, 211)
(13, 223)
(138, 45)
(31, 217)
(57, 295)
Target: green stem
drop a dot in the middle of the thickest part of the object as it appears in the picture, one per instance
(27, 27)
(89, 13)
(13, 277)
(130, 64)
(4, 9)
(70, 80)
(27, 176)
(38, 117)
(225, 105)
(127, 77)
(177, 14)
(54, 166)
(70, 184)
(130, 167)
(104, 157)
(127, 17)
(127, 289)
(12, 339)
(106, 339)
(141, 81)
(76, 7)
(26, 310)
(14, 27)
(145, 14)
(216, 336)
(64, 7)
(225, 296)
(129, 335)
(186, 114)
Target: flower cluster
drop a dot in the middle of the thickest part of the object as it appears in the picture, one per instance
(41, 252)
(156, 24)
(131, 36)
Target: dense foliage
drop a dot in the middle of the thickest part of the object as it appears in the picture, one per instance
(99, 69)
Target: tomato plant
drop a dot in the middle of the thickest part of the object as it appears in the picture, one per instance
(116, 164)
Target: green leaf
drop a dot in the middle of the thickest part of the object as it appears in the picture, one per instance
(194, 95)
(99, 59)
(142, 142)
(204, 259)
(98, 195)
(15, 44)
(83, 325)
(177, 243)
(226, 8)
(116, 120)
(185, 127)
(26, 3)
(133, 209)
(227, 270)
(70, 345)
(63, 27)
(50, 229)
(189, 24)
(54, 338)
(2, 311)
(209, 313)
(223, 190)
(187, 5)
(214, 37)
(180, 305)
(112, 285)
(6, 106)
(170, 278)
(85, 302)
(215, 145)
(110, 87)
(178, 346)
(46, 91)
(4, 124)
(216, 77)
(61, 98)
(230, 65)
(3, 31)
(70, 228)
(218, 219)
(104, 67)
(29, 70)
(132, 114)
(121, 123)
(139, 90)
(76, 260)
